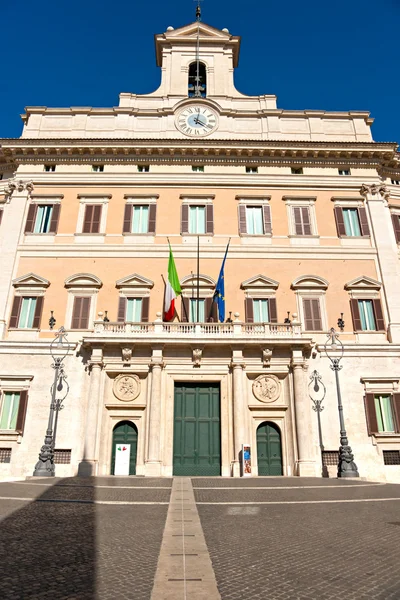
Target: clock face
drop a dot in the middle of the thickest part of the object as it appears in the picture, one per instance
(197, 120)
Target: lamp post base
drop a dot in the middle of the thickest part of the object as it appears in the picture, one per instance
(44, 469)
(346, 466)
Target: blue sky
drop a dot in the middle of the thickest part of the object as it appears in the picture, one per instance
(312, 55)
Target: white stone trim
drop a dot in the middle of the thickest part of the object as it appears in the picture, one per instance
(310, 283)
(82, 293)
(134, 286)
(92, 199)
(348, 202)
(46, 198)
(30, 285)
(309, 202)
(363, 288)
(260, 286)
(141, 199)
(189, 286)
(304, 294)
(381, 385)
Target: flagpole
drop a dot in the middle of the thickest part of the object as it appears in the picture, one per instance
(198, 273)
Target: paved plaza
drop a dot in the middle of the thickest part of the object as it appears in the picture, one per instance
(124, 538)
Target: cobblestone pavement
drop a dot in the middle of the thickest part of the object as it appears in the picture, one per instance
(74, 541)
(311, 550)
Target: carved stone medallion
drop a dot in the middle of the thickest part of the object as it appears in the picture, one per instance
(267, 388)
(126, 387)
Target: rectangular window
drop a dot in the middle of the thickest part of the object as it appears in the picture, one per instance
(49, 168)
(193, 310)
(302, 220)
(98, 168)
(344, 171)
(134, 310)
(91, 219)
(254, 220)
(351, 222)
(261, 311)
(5, 455)
(140, 220)
(9, 410)
(251, 169)
(198, 168)
(384, 413)
(330, 458)
(396, 226)
(312, 314)
(391, 457)
(80, 313)
(27, 313)
(143, 168)
(297, 170)
(62, 457)
(44, 214)
(395, 181)
(367, 317)
(197, 219)
(1, 215)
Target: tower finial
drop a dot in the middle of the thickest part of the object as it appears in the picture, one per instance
(198, 10)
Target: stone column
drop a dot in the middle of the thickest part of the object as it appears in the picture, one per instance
(376, 196)
(153, 462)
(89, 463)
(239, 410)
(17, 195)
(306, 465)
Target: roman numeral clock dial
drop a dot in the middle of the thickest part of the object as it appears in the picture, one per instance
(196, 120)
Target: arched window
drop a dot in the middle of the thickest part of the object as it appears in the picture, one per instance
(201, 82)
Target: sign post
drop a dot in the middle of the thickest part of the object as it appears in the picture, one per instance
(246, 460)
(122, 459)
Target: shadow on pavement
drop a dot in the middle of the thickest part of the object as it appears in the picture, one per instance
(47, 547)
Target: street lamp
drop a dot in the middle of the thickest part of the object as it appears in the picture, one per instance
(334, 351)
(317, 392)
(59, 349)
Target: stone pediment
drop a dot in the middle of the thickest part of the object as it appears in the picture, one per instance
(83, 280)
(310, 282)
(134, 280)
(259, 281)
(191, 31)
(364, 283)
(205, 282)
(31, 280)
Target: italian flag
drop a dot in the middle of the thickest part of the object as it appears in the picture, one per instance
(172, 290)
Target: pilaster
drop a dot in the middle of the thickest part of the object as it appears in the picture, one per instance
(239, 408)
(153, 465)
(306, 465)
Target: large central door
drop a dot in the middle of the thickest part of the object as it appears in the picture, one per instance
(197, 439)
(269, 449)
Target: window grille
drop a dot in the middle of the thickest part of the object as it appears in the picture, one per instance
(5, 455)
(330, 458)
(391, 457)
(62, 457)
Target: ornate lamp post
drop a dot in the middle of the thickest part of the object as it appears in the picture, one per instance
(334, 351)
(45, 465)
(317, 392)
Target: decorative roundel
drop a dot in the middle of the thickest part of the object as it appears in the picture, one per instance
(196, 120)
(126, 387)
(267, 388)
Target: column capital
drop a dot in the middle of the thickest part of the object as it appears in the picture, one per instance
(157, 363)
(98, 364)
(18, 186)
(237, 365)
(376, 192)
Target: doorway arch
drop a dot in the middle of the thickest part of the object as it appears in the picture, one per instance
(124, 439)
(269, 449)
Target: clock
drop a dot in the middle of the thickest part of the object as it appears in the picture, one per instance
(196, 120)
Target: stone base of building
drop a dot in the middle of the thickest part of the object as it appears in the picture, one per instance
(306, 469)
(87, 468)
(153, 469)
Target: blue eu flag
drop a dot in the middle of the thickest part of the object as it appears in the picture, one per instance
(219, 294)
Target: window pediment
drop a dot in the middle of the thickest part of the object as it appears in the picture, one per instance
(206, 285)
(363, 283)
(31, 281)
(307, 282)
(259, 282)
(83, 280)
(134, 281)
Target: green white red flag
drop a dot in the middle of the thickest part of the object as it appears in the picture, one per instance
(173, 288)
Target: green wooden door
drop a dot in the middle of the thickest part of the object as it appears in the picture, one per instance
(269, 450)
(197, 444)
(125, 433)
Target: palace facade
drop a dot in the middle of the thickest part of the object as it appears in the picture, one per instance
(311, 205)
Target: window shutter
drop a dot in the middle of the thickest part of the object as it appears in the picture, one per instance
(248, 310)
(362, 213)
(145, 309)
(121, 310)
(87, 220)
(305, 213)
(96, 218)
(38, 312)
(372, 421)
(308, 314)
(267, 218)
(273, 314)
(396, 226)
(127, 227)
(210, 315)
(355, 314)
(16, 307)
(23, 403)
(1, 215)
(152, 218)
(185, 219)
(316, 314)
(209, 219)
(30, 220)
(396, 409)
(76, 313)
(80, 313)
(242, 219)
(380, 323)
(85, 313)
(55, 216)
(298, 225)
(341, 231)
(185, 310)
